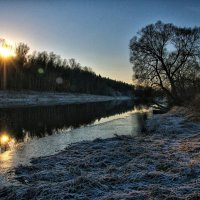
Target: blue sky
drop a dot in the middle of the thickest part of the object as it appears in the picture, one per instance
(94, 32)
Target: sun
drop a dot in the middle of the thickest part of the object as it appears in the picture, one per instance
(6, 50)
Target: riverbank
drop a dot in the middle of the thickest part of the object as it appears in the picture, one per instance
(162, 163)
(32, 98)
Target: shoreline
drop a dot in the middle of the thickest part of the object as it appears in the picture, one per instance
(10, 99)
(162, 163)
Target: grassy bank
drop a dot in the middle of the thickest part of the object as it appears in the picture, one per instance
(163, 163)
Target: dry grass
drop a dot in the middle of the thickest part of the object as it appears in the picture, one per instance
(191, 110)
(163, 164)
(190, 146)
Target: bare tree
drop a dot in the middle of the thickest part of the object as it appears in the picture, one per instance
(166, 56)
(21, 53)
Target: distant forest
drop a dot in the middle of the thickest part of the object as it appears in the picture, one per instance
(42, 71)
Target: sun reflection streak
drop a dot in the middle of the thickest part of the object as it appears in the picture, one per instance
(6, 142)
(4, 139)
(5, 156)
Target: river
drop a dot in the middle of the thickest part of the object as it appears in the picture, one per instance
(43, 131)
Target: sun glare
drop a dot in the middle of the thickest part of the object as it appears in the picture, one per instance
(6, 52)
(6, 49)
(4, 139)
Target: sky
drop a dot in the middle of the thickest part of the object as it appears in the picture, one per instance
(94, 32)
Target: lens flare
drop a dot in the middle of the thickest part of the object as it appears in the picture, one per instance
(40, 71)
(59, 80)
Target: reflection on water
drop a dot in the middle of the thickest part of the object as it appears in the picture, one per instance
(41, 131)
(21, 123)
(6, 142)
(5, 157)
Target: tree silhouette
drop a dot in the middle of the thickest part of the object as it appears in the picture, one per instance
(167, 56)
(42, 71)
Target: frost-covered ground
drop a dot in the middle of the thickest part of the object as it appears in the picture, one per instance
(163, 163)
(31, 98)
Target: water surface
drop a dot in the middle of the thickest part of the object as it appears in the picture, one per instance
(43, 131)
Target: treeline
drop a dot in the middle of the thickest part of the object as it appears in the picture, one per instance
(42, 71)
